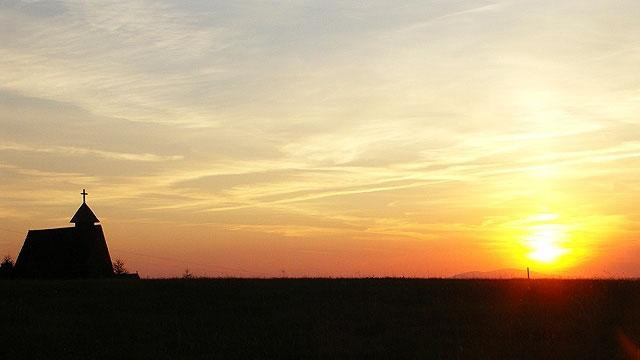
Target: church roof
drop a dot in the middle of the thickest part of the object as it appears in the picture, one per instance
(64, 252)
(84, 215)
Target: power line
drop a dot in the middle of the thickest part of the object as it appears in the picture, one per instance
(180, 261)
(171, 260)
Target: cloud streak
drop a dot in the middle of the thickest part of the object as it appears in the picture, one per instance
(74, 151)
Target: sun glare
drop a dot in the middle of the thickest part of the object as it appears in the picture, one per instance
(545, 243)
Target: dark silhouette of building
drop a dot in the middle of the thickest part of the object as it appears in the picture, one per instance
(72, 252)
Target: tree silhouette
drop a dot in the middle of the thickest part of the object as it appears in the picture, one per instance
(119, 267)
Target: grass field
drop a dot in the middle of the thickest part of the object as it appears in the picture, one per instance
(320, 318)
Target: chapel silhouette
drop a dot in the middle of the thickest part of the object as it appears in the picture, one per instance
(71, 252)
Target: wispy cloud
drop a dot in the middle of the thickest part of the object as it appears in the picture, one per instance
(74, 151)
(472, 10)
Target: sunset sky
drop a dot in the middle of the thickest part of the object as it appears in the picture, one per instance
(327, 138)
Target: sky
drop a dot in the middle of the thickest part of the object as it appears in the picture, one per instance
(327, 138)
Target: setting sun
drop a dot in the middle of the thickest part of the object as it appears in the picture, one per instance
(545, 243)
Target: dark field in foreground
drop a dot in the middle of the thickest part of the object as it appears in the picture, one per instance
(320, 318)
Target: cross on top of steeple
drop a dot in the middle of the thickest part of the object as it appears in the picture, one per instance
(84, 216)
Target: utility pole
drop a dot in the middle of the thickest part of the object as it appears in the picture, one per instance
(528, 277)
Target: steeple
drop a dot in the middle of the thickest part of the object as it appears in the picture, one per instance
(84, 215)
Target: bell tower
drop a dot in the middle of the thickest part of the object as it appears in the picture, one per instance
(84, 217)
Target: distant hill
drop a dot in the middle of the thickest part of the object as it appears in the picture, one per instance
(500, 274)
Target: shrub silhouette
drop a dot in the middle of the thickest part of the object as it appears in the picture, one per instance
(6, 267)
(187, 274)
